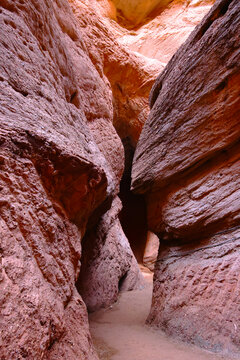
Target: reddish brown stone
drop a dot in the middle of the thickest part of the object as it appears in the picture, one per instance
(187, 165)
(130, 75)
(151, 251)
(54, 178)
(196, 292)
(108, 264)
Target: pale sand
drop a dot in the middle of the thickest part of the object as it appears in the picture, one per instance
(120, 332)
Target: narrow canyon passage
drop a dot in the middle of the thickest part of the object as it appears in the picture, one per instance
(119, 131)
(120, 333)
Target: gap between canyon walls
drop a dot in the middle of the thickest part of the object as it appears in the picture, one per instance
(130, 76)
(133, 216)
(180, 264)
(131, 73)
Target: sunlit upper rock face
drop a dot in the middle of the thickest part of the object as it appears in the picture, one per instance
(153, 28)
(160, 33)
(137, 10)
(132, 59)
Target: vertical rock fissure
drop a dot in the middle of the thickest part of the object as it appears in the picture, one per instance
(133, 216)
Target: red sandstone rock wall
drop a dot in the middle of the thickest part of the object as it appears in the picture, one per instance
(128, 59)
(187, 164)
(64, 83)
(108, 265)
(60, 166)
(131, 75)
(131, 60)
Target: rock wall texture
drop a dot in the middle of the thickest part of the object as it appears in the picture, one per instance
(61, 161)
(132, 59)
(187, 165)
(162, 31)
(136, 11)
(68, 88)
(131, 75)
(108, 265)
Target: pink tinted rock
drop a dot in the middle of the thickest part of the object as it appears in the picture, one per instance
(40, 252)
(195, 296)
(151, 251)
(108, 264)
(54, 178)
(187, 165)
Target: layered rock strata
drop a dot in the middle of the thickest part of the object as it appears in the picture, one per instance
(187, 165)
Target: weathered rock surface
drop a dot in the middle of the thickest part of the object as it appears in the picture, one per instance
(66, 84)
(162, 31)
(108, 263)
(136, 11)
(131, 60)
(40, 252)
(60, 166)
(187, 164)
(131, 75)
(196, 292)
(151, 251)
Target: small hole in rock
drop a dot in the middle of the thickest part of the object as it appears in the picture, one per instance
(221, 86)
(121, 281)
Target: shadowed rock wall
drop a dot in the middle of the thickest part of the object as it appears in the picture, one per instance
(107, 265)
(131, 75)
(187, 165)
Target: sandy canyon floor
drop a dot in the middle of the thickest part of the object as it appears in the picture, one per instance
(120, 333)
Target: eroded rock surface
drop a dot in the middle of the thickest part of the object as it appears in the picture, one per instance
(131, 60)
(60, 166)
(66, 84)
(187, 164)
(131, 75)
(108, 263)
(166, 28)
(151, 251)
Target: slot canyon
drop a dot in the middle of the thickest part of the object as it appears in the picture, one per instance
(120, 179)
